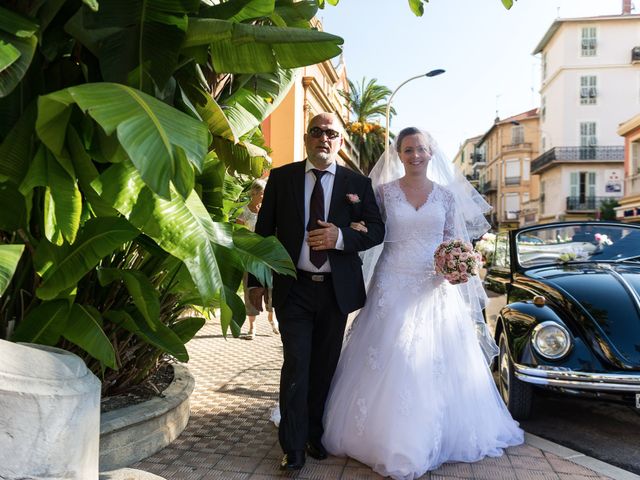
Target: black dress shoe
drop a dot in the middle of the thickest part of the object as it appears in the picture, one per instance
(316, 450)
(292, 460)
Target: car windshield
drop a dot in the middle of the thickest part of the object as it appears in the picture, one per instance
(578, 243)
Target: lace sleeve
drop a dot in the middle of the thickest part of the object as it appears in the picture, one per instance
(449, 231)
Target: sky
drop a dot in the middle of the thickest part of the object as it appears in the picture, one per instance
(485, 49)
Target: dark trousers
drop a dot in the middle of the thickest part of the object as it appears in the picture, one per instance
(311, 327)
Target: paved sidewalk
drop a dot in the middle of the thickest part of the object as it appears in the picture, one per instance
(229, 436)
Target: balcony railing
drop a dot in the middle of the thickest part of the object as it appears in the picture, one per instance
(512, 181)
(581, 204)
(578, 154)
(487, 187)
(517, 146)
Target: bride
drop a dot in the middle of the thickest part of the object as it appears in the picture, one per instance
(413, 389)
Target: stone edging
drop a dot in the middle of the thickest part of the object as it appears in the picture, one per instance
(130, 434)
(591, 463)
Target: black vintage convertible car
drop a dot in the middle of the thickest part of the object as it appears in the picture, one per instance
(565, 311)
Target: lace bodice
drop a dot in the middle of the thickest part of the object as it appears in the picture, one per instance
(414, 234)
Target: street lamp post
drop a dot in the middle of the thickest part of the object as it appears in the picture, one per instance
(432, 73)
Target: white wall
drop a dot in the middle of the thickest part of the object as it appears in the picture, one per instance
(618, 81)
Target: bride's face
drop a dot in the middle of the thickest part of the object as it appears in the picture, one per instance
(415, 154)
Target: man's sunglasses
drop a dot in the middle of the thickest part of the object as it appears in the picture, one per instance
(316, 132)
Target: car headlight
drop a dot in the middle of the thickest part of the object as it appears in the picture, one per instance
(551, 340)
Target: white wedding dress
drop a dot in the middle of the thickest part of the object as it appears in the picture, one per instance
(412, 389)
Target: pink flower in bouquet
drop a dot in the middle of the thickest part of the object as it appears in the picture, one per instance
(456, 261)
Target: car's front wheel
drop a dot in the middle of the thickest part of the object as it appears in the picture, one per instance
(517, 395)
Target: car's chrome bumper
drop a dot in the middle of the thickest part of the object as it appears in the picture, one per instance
(562, 378)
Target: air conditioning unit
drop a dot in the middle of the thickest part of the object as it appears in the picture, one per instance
(635, 55)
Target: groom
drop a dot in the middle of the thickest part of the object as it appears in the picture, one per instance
(309, 207)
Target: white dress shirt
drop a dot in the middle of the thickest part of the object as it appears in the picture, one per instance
(304, 262)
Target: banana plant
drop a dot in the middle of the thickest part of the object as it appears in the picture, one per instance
(122, 164)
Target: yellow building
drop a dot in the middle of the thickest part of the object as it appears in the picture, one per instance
(629, 209)
(468, 161)
(508, 147)
(315, 90)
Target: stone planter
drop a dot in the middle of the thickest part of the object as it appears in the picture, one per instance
(130, 434)
(49, 414)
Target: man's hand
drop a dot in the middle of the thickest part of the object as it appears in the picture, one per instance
(359, 226)
(256, 294)
(323, 238)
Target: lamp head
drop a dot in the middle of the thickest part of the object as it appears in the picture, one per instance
(434, 73)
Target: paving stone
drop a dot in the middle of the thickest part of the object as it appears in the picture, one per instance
(229, 436)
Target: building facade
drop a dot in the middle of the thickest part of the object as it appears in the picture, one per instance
(590, 83)
(316, 89)
(629, 209)
(505, 179)
(468, 162)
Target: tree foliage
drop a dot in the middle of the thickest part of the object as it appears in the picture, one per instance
(127, 130)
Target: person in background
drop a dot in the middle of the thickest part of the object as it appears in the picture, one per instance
(248, 218)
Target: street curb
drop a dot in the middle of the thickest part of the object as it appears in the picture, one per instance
(581, 459)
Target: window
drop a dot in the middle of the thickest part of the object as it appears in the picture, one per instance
(635, 158)
(526, 168)
(588, 90)
(543, 108)
(543, 186)
(583, 186)
(544, 65)
(588, 140)
(512, 205)
(512, 172)
(543, 144)
(517, 135)
(588, 42)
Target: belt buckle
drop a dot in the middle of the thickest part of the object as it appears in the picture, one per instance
(317, 278)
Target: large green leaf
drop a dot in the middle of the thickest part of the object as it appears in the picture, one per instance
(16, 24)
(8, 55)
(15, 150)
(259, 95)
(84, 328)
(15, 217)
(146, 36)
(44, 324)
(241, 48)
(17, 45)
(176, 225)
(187, 327)
(97, 238)
(294, 13)
(62, 204)
(232, 312)
(13, 72)
(242, 157)
(156, 137)
(9, 258)
(240, 10)
(159, 336)
(140, 288)
(260, 255)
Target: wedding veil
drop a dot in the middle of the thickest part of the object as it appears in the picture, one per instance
(470, 223)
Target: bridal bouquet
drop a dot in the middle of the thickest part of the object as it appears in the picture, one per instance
(457, 261)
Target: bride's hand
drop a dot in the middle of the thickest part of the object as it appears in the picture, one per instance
(359, 227)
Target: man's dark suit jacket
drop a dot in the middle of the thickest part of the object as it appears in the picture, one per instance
(282, 215)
